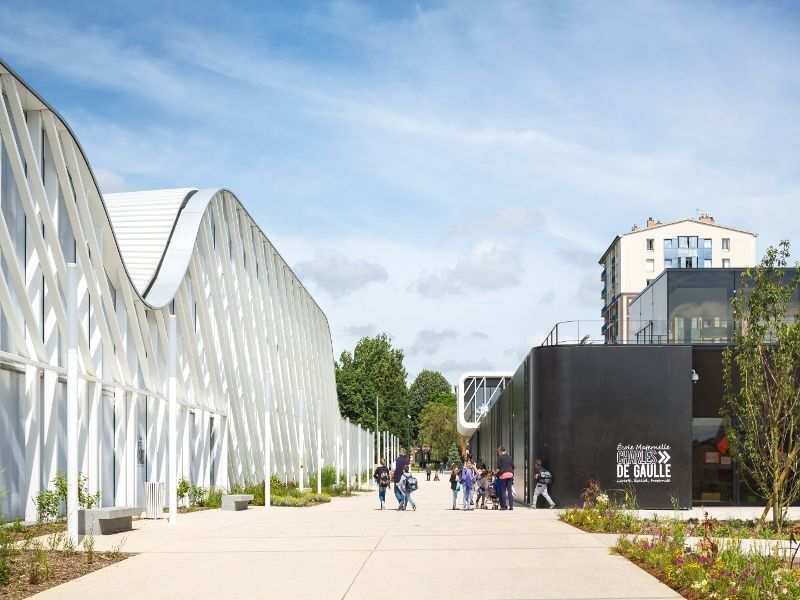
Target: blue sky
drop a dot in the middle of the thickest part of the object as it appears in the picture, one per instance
(448, 172)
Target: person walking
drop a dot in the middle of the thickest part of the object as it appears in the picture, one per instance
(505, 474)
(467, 483)
(428, 470)
(454, 484)
(381, 477)
(396, 473)
(543, 478)
(408, 484)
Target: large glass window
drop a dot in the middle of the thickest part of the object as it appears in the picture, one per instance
(699, 306)
(706, 263)
(707, 243)
(667, 263)
(683, 241)
(693, 242)
(712, 466)
(668, 244)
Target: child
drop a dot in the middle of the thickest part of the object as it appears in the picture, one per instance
(482, 488)
(406, 486)
(454, 484)
(381, 476)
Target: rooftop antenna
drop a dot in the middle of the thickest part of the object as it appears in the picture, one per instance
(698, 212)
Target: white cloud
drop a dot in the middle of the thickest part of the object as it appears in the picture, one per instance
(488, 267)
(338, 275)
(360, 331)
(428, 341)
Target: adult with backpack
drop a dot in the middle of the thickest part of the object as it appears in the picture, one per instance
(381, 477)
(398, 468)
(505, 475)
(467, 483)
(543, 478)
(408, 485)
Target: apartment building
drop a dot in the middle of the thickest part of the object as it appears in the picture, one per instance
(634, 259)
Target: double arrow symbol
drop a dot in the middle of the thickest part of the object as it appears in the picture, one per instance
(663, 457)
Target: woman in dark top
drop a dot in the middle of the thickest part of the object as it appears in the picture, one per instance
(505, 475)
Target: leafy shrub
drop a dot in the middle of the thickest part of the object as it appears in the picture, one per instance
(290, 501)
(197, 495)
(48, 502)
(318, 498)
(604, 512)
(256, 489)
(183, 488)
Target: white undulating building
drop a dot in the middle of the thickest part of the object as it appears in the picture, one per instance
(246, 330)
(636, 258)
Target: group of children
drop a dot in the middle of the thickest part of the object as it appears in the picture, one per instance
(477, 480)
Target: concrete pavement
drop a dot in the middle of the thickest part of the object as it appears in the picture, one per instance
(348, 549)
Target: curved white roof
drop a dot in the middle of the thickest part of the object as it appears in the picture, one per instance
(143, 223)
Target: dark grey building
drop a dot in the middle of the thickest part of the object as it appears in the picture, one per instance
(644, 415)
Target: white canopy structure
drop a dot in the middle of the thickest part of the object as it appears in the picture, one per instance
(248, 333)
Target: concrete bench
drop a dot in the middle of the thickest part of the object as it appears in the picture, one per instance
(105, 521)
(236, 501)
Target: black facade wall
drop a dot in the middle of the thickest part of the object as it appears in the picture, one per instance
(586, 400)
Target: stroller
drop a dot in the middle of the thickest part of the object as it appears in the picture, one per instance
(495, 499)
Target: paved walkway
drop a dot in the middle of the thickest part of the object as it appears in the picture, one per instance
(347, 549)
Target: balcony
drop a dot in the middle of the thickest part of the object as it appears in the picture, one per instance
(603, 294)
(603, 274)
(604, 310)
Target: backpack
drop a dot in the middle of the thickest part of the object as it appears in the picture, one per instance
(545, 477)
(466, 477)
(411, 484)
(384, 478)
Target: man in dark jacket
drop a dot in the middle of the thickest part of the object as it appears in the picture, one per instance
(505, 475)
(397, 473)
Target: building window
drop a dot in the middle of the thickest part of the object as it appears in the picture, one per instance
(693, 242)
(668, 244)
(706, 263)
(667, 263)
(649, 265)
(707, 243)
(683, 241)
(726, 244)
(650, 245)
(726, 263)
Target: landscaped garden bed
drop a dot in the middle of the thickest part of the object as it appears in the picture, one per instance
(29, 565)
(714, 565)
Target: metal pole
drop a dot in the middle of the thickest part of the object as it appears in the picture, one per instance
(338, 451)
(301, 442)
(72, 403)
(377, 447)
(347, 433)
(268, 441)
(359, 435)
(318, 405)
(172, 416)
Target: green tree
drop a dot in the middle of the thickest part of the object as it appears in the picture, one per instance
(453, 455)
(446, 398)
(762, 383)
(425, 388)
(437, 429)
(374, 370)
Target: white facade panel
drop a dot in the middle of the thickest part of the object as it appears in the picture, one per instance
(245, 323)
